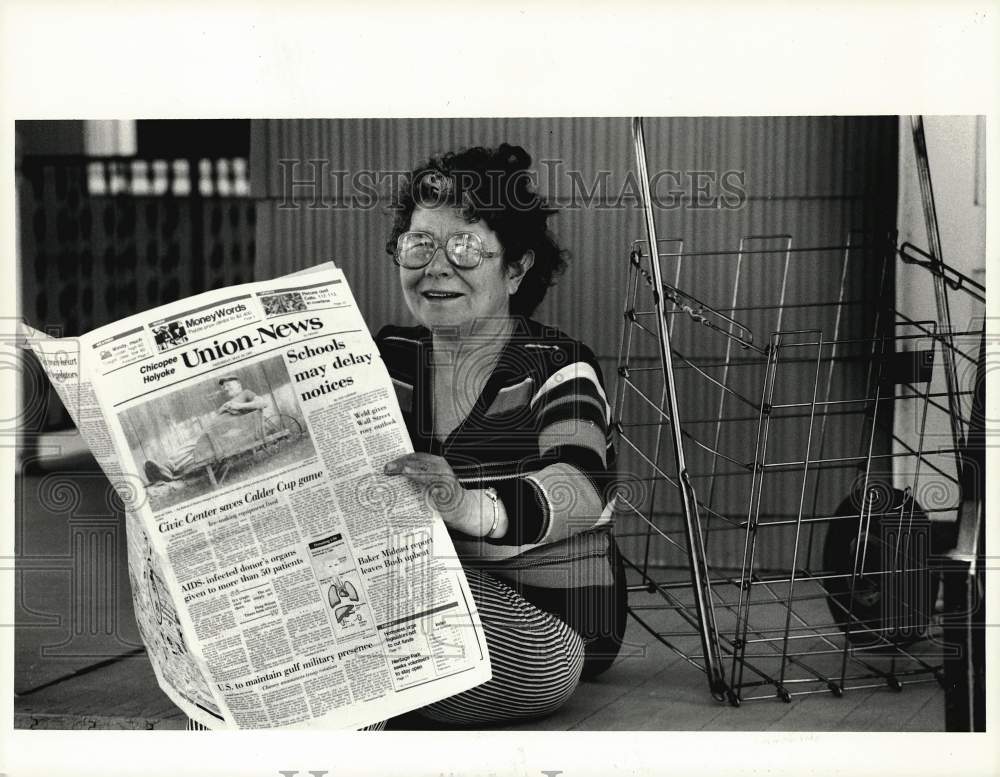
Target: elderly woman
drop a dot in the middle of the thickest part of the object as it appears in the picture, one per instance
(509, 422)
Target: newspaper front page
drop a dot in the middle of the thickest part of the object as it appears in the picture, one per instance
(279, 579)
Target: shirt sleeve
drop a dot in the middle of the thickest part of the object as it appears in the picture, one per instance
(563, 489)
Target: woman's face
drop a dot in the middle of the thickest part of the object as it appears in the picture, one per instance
(441, 295)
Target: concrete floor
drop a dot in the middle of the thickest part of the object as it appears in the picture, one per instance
(650, 688)
(80, 662)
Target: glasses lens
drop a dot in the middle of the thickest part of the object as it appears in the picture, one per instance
(414, 249)
(465, 249)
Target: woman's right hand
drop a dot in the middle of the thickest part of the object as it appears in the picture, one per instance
(457, 506)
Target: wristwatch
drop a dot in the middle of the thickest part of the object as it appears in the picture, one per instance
(492, 495)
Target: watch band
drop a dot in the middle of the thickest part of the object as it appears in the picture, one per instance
(494, 498)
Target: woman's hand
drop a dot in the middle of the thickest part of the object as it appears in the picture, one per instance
(457, 506)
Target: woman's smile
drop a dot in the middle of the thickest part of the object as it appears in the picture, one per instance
(440, 295)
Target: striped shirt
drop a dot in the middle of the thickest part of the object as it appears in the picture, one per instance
(539, 434)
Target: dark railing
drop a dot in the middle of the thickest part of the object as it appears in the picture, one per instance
(102, 238)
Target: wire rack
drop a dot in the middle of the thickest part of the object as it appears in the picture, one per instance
(815, 480)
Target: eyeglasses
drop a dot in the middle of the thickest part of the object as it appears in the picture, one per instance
(463, 250)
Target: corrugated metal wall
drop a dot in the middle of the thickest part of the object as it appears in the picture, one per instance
(815, 178)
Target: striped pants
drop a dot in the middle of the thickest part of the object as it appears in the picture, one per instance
(535, 657)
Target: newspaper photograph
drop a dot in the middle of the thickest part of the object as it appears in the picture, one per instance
(279, 579)
(217, 432)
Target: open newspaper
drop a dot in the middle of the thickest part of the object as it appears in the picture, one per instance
(279, 579)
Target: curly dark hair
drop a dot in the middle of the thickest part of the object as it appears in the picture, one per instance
(492, 185)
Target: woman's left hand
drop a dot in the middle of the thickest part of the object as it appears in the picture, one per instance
(446, 494)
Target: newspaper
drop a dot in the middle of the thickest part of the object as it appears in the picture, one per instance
(278, 578)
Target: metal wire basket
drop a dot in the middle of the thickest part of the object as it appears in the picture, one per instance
(814, 483)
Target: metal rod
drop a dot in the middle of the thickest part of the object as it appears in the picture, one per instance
(940, 292)
(802, 500)
(700, 586)
(753, 503)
